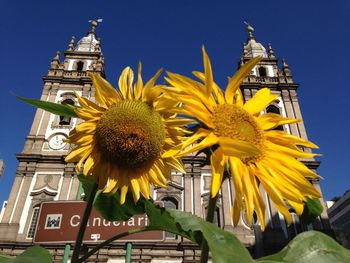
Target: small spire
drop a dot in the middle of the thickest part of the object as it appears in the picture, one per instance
(285, 69)
(71, 44)
(55, 61)
(57, 57)
(271, 52)
(250, 31)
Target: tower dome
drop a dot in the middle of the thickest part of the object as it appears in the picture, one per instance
(252, 47)
(87, 43)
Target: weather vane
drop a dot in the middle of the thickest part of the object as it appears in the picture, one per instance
(94, 23)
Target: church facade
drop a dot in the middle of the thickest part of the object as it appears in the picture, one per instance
(42, 175)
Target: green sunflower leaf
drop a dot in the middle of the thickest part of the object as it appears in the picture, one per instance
(110, 208)
(3, 258)
(312, 209)
(310, 247)
(31, 255)
(224, 246)
(55, 108)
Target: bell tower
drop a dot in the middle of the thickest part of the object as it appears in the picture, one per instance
(42, 174)
(277, 76)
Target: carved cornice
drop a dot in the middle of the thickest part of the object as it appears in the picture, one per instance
(40, 158)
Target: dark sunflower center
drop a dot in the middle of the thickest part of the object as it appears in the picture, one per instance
(130, 134)
(234, 122)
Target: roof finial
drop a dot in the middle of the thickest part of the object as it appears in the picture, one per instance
(55, 61)
(250, 30)
(285, 68)
(271, 52)
(94, 23)
(71, 44)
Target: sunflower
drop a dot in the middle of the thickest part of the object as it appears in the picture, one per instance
(244, 142)
(122, 139)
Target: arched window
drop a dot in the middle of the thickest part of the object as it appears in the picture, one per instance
(274, 109)
(80, 65)
(170, 202)
(262, 72)
(65, 120)
(32, 227)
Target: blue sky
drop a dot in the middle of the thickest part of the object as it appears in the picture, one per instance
(312, 35)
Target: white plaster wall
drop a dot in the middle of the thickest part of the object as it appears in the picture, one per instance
(29, 198)
(49, 130)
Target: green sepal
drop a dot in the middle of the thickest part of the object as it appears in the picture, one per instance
(310, 247)
(87, 184)
(55, 108)
(33, 254)
(312, 209)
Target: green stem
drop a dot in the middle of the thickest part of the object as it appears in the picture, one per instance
(209, 218)
(104, 243)
(83, 224)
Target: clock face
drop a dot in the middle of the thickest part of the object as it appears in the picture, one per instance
(56, 141)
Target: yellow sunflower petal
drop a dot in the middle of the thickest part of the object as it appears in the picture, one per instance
(298, 207)
(237, 79)
(123, 192)
(124, 83)
(185, 86)
(88, 104)
(149, 92)
(237, 148)
(106, 95)
(173, 151)
(76, 154)
(88, 165)
(238, 98)
(248, 191)
(135, 188)
(259, 203)
(259, 101)
(139, 84)
(216, 89)
(86, 127)
(218, 162)
(289, 151)
(285, 138)
(208, 72)
(112, 183)
(144, 187)
(236, 174)
(272, 120)
(275, 196)
(175, 163)
(208, 141)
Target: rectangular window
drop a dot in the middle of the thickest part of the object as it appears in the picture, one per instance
(32, 227)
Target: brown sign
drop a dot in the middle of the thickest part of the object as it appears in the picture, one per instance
(59, 222)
